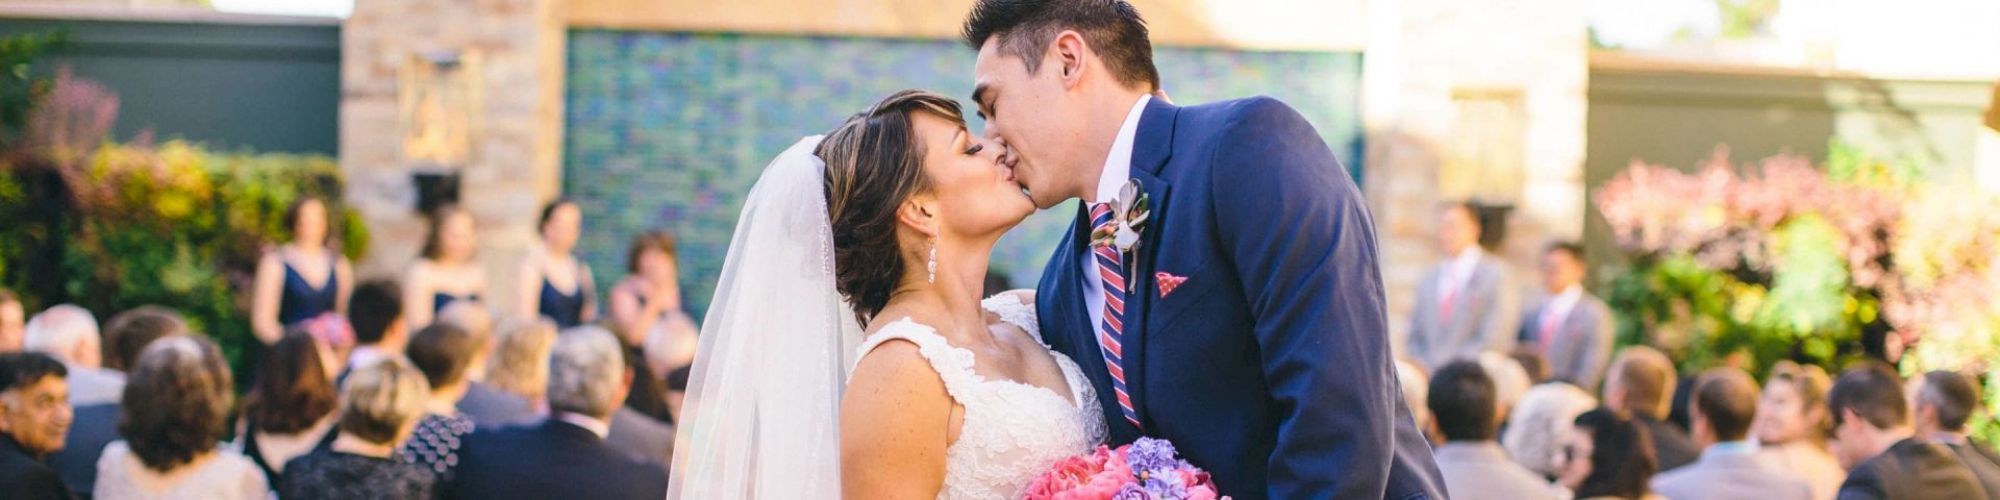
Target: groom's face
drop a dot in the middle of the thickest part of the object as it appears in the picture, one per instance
(1026, 112)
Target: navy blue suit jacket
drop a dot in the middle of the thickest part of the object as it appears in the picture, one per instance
(1269, 366)
(551, 460)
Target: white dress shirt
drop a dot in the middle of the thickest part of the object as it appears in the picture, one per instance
(1117, 170)
(1558, 310)
(599, 427)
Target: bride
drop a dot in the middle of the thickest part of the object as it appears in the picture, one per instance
(887, 222)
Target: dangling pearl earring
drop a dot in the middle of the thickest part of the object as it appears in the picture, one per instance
(933, 263)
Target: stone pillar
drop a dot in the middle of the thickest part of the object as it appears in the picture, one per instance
(514, 58)
(1481, 99)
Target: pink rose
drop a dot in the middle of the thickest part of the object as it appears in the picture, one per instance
(1067, 476)
(1199, 487)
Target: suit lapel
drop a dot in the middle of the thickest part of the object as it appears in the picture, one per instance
(1152, 146)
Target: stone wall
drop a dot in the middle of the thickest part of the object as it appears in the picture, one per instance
(1492, 90)
(514, 50)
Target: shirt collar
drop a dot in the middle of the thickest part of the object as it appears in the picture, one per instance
(1744, 447)
(595, 426)
(1118, 164)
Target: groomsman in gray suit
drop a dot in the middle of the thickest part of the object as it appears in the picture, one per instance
(1465, 305)
(1569, 327)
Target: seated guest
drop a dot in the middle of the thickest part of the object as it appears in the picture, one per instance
(448, 271)
(1641, 384)
(1510, 381)
(1792, 425)
(176, 410)
(1466, 416)
(376, 313)
(1606, 456)
(1942, 402)
(1465, 305)
(96, 426)
(69, 333)
(34, 416)
(444, 353)
(517, 376)
(1416, 384)
(1536, 426)
(1533, 363)
(1569, 327)
(649, 389)
(1871, 423)
(641, 432)
(290, 410)
(379, 409)
(1722, 406)
(677, 387)
(13, 320)
(565, 456)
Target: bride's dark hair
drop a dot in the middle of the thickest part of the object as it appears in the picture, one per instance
(874, 161)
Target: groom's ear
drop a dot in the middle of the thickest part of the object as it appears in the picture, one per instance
(1069, 51)
(920, 214)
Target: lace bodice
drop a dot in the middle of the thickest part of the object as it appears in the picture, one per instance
(1012, 431)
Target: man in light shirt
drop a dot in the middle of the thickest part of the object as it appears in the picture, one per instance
(69, 334)
(1465, 305)
(1723, 405)
(1570, 328)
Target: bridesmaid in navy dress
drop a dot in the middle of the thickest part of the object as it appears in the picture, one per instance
(448, 271)
(554, 283)
(301, 279)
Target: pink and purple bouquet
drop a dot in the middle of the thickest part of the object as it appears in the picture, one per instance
(1144, 470)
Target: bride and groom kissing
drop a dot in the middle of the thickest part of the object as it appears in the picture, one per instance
(1218, 289)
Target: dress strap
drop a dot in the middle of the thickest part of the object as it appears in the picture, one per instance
(1014, 312)
(953, 364)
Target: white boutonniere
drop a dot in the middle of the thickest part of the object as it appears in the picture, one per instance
(1128, 218)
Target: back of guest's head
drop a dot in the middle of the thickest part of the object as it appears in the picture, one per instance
(1509, 379)
(1952, 395)
(1641, 381)
(292, 391)
(1464, 403)
(1725, 398)
(1539, 421)
(1621, 458)
(66, 331)
(374, 309)
(129, 332)
(177, 402)
(469, 315)
(520, 363)
(1871, 391)
(586, 372)
(444, 352)
(1532, 363)
(382, 401)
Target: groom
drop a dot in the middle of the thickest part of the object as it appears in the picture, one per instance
(1241, 317)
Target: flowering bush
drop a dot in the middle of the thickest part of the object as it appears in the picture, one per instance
(1788, 261)
(114, 226)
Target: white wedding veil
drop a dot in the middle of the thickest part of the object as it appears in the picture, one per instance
(762, 416)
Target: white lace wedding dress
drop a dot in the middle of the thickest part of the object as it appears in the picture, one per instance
(1013, 431)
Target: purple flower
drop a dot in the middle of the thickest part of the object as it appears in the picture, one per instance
(1148, 454)
(1132, 492)
(1165, 484)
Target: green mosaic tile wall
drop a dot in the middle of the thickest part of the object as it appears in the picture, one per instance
(669, 130)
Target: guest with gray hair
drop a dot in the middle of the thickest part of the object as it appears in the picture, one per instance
(1539, 421)
(566, 455)
(69, 334)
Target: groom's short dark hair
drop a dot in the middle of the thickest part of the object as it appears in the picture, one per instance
(1026, 27)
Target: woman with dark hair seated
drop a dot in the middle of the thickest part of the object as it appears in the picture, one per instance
(1606, 455)
(379, 410)
(176, 410)
(289, 413)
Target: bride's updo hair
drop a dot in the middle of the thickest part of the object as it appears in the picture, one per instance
(874, 161)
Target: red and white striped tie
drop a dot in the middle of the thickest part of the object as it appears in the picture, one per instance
(1111, 273)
